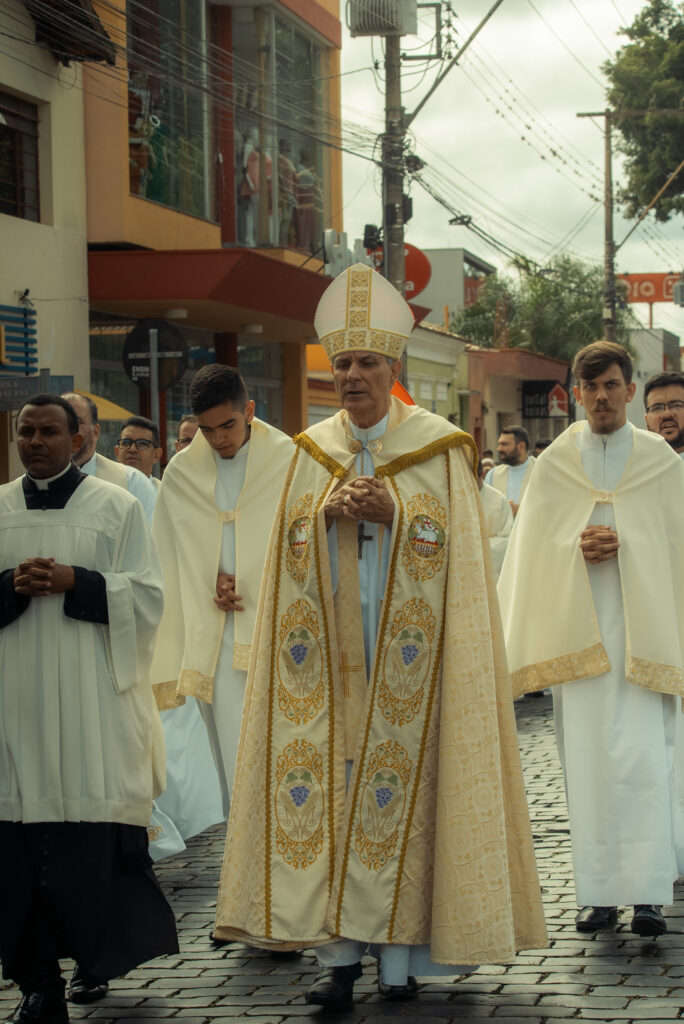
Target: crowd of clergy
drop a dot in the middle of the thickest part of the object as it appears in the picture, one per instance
(305, 638)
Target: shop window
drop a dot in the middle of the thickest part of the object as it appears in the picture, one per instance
(279, 112)
(18, 158)
(168, 124)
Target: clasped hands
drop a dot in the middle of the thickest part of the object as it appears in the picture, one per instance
(599, 544)
(365, 498)
(226, 599)
(41, 577)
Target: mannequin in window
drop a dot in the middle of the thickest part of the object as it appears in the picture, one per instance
(287, 202)
(249, 185)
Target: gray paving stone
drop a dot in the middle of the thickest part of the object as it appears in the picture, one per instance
(613, 976)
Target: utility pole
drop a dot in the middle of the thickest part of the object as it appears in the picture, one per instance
(609, 314)
(393, 168)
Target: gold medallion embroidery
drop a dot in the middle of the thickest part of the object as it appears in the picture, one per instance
(300, 664)
(153, 832)
(299, 804)
(382, 806)
(424, 548)
(299, 527)
(406, 665)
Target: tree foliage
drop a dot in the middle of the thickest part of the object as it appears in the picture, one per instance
(648, 73)
(555, 313)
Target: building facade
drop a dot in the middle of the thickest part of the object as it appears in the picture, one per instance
(211, 174)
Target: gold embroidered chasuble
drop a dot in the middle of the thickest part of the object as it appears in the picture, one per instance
(187, 529)
(551, 628)
(430, 842)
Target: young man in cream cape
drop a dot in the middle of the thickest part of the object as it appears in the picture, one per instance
(596, 563)
(212, 522)
(379, 796)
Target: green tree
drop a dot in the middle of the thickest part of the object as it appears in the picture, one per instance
(649, 73)
(556, 312)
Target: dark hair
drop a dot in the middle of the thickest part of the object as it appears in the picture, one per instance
(144, 424)
(48, 399)
(542, 443)
(217, 385)
(186, 418)
(593, 360)
(664, 379)
(519, 433)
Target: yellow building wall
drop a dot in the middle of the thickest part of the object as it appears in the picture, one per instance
(114, 215)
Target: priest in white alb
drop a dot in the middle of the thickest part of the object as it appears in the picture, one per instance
(212, 522)
(592, 599)
(379, 797)
(81, 745)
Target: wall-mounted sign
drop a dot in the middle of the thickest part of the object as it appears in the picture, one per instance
(543, 399)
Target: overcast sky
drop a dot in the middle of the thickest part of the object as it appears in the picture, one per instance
(487, 133)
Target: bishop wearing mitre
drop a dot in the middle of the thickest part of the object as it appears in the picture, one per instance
(379, 798)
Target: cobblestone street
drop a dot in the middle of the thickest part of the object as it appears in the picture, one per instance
(613, 977)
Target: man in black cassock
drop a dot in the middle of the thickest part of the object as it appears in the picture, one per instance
(81, 752)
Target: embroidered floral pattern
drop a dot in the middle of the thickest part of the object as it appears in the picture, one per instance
(408, 657)
(300, 664)
(299, 804)
(298, 551)
(382, 806)
(423, 550)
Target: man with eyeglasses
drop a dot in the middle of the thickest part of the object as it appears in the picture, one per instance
(664, 402)
(92, 463)
(139, 446)
(187, 428)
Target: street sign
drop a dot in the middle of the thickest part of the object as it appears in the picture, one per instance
(172, 354)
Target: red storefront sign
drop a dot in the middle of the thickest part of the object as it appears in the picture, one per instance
(649, 287)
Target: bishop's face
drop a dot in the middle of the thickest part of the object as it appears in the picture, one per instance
(605, 399)
(363, 381)
(45, 445)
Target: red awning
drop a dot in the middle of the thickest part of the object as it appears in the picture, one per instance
(222, 289)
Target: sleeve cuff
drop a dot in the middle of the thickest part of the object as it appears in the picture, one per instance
(88, 600)
(12, 605)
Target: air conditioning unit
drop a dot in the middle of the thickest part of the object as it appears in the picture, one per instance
(382, 17)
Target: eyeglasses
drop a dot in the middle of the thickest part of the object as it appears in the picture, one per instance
(142, 444)
(183, 441)
(675, 406)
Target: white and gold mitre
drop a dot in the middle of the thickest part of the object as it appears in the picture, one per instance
(361, 310)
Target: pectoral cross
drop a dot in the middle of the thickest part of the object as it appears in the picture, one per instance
(362, 537)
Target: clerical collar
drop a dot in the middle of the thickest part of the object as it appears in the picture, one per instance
(43, 484)
(371, 433)
(617, 435)
(57, 491)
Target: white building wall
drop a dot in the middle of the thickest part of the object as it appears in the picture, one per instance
(49, 258)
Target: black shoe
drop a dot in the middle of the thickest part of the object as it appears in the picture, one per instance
(592, 919)
(648, 920)
(82, 990)
(37, 1008)
(396, 993)
(334, 986)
